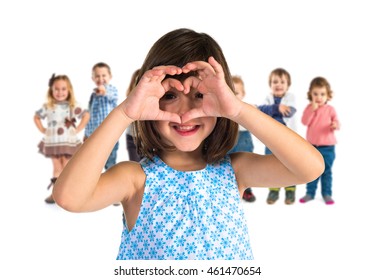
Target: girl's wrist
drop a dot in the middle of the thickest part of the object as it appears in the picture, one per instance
(124, 115)
(237, 116)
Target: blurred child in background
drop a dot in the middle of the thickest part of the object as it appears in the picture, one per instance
(61, 112)
(280, 104)
(322, 122)
(245, 141)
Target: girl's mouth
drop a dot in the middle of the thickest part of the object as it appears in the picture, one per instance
(186, 130)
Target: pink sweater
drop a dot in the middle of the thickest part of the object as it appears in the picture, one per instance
(318, 122)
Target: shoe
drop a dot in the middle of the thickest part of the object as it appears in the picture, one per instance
(290, 197)
(49, 199)
(248, 195)
(328, 200)
(306, 198)
(272, 197)
(53, 181)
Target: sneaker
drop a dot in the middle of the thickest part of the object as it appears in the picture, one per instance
(50, 200)
(272, 197)
(328, 200)
(248, 195)
(290, 197)
(306, 198)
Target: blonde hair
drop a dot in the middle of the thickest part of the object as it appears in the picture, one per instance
(237, 79)
(51, 100)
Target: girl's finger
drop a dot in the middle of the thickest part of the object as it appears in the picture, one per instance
(192, 114)
(172, 83)
(191, 82)
(168, 116)
(215, 65)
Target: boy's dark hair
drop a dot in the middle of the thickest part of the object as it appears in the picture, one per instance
(179, 47)
(102, 65)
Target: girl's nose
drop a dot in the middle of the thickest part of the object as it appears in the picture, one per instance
(186, 104)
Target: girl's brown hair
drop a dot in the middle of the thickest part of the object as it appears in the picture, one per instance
(71, 98)
(320, 82)
(179, 47)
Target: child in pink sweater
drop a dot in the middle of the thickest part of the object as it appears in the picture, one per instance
(321, 121)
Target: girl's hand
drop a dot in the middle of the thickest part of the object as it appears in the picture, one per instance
(218, 99)
(314, 105)
(143, 102)
(335, 125)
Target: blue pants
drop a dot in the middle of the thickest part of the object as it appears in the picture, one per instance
(132, 148)
(112, 157)
(329, 155)
(244, 143)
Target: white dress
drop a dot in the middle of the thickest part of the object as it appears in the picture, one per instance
(60, 137)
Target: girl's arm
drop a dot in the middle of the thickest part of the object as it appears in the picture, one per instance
(294, 160)
(39, 124)
(82, 186)
(84, 120)
(308, 115)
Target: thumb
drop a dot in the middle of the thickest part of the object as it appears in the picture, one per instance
(168, 116)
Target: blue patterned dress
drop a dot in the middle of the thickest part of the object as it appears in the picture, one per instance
(194, 215)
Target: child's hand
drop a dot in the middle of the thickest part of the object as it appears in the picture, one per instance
(100, 90)
(314, 105)
(284, 110)
(143, 102)
(334, 125)
(218, 99)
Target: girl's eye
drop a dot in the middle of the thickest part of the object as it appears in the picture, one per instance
(168, 95)
(199, 95)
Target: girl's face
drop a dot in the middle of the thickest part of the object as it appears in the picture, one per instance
(101, 76)
(60, 90)
(189, 136)
(319, 95)
(279, 85)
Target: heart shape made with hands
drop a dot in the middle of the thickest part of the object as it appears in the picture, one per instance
(209, 81)
(194, 85)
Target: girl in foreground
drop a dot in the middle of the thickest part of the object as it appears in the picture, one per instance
(182, 201)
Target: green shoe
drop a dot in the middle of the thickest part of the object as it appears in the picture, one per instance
(290, 197)
(272, 197)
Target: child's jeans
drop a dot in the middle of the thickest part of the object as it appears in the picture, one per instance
(329, 155)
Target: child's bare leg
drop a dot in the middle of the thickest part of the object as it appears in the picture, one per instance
(58, 165)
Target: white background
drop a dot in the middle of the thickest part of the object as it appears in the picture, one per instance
(333, 39)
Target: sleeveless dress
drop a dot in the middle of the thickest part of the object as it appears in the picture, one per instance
(195, 215)
(60, 137)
